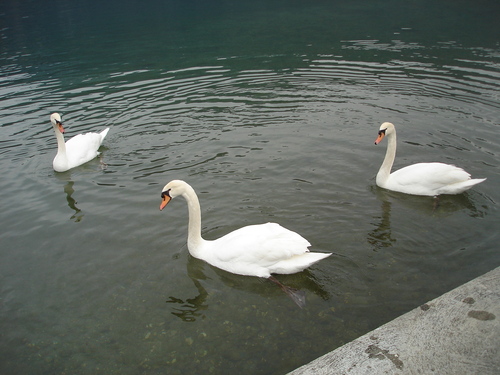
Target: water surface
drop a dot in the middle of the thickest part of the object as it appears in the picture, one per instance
(269, 110)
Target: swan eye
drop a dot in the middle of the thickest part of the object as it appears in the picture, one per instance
(380, 132)
(165, 194)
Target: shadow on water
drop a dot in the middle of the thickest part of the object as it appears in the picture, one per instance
(191, 309)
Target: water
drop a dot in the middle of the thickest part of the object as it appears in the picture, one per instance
(269, 109)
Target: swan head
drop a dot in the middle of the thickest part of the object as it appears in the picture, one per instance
(56, 121)
(385, 129)
(171, 190)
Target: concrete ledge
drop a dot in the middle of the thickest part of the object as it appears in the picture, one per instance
(456, 333)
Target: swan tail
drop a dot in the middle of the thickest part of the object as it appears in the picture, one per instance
(462, 186)
(308, 259)
(103, 134)
(476, 181)
(298, 263)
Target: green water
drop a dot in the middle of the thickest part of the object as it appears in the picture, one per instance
(269, 110)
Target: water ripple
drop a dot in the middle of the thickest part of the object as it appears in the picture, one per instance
(287, 138)
(218, 96)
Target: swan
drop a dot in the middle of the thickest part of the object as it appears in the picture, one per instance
(430, 179)
(255, 250)
(77, 150)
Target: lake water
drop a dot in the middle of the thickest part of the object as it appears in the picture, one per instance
(269, 109)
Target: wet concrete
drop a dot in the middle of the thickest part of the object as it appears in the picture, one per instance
(456, 333)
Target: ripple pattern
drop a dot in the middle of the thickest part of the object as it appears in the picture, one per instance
(270, 110)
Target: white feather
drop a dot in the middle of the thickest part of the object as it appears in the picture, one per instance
(429, 179)
(254, 250)
(77, 150)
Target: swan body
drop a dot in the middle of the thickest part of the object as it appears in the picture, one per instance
(77, 150)
(430, 179)
(255, 250)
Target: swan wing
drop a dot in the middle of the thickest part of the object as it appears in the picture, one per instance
(83, 147)
(428, 179)
(255, 249)
(266, 242)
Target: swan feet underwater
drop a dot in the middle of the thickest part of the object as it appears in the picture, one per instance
(77, 150)
(255, 250)
(430, 179)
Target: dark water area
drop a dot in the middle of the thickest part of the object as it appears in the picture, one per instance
(269, 109)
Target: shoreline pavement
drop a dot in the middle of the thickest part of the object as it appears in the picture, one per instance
(456, 333)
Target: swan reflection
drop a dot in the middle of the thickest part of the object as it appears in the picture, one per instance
(445, 206)
(69, 190)
(381, 235)
(192, 308)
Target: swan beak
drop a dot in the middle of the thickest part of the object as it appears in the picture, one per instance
(165, 201)
(61, 127)
(381, 136)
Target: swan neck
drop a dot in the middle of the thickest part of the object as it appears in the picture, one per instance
(195, 240)
(390, 154)
(61, 145)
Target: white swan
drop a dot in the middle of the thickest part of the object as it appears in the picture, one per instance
(77, 150)
(254, 250)
(431, 179)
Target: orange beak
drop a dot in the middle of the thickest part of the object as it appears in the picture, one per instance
(165, 201)
(381, 136)
(61, 128)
